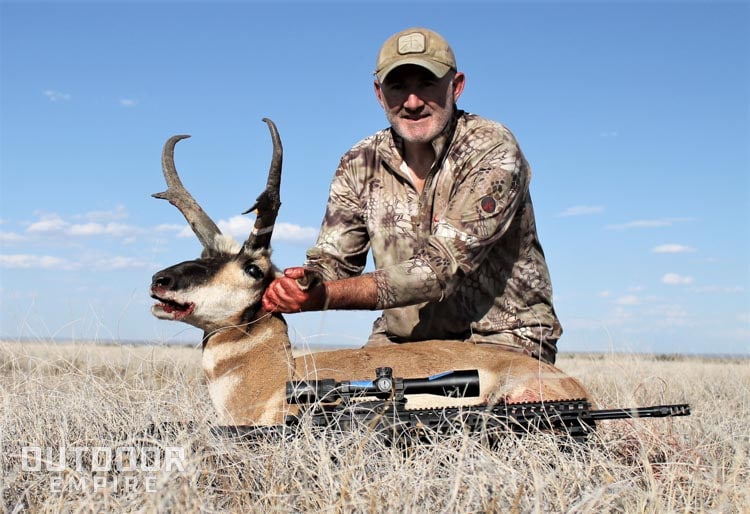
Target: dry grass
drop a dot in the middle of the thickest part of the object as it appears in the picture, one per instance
(87, 396)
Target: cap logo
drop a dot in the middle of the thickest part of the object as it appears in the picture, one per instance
(411, 43)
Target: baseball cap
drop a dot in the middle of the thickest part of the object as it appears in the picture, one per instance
(419, 46)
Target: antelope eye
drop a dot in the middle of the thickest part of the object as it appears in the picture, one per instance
(253, 270)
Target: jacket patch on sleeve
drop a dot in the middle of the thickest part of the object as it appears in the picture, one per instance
(488, 204)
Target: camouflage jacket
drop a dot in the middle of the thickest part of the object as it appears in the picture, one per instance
(461, 260)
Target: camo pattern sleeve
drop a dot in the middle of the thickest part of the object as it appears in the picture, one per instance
(343, 241)
(460, 260)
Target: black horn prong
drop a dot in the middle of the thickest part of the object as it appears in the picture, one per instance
(268, 203)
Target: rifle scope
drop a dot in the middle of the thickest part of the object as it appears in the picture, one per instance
(455, 384)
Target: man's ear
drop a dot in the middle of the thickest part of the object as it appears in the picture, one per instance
(379, 93)
(459, 81)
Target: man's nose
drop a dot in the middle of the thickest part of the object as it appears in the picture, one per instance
(413, 102)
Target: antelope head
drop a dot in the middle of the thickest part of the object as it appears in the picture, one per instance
(222, 288)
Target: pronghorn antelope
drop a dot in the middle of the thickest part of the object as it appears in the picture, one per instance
(247, 355)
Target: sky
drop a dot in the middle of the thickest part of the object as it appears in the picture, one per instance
(634, 116)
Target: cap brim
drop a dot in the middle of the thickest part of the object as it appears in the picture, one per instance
(436, 68)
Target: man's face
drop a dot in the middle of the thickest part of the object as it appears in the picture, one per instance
(417, 104)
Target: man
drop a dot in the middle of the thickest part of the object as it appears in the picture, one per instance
(442, 200)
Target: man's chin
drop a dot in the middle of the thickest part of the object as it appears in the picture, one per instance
(416, 135)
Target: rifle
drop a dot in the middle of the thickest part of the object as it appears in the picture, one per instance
(344, 405)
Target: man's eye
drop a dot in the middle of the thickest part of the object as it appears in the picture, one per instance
(254, 271)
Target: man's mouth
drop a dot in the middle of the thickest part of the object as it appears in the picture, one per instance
(415, 117)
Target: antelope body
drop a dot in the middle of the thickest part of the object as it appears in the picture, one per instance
(247, 355)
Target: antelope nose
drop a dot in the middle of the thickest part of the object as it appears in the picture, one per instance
(162, 280)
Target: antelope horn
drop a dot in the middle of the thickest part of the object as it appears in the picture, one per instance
(269, 201)
(203, 226)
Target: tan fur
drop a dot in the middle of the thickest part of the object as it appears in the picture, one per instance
(260, 362)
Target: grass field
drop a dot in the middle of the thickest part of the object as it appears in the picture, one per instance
(69, 411)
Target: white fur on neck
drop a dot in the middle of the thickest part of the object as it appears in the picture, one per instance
(222, 388)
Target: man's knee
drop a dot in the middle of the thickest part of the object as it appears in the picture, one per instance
(545, 351)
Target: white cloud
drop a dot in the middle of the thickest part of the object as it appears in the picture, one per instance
(86, 229)
(674, 279)
(664, 222)
(53, 224)
(128, 102)
(719, 289)
(11, 237)
(118, 213)
(628, 300)
(672, 248)
(291, 233)
(25, 261)
(581, 210)
(186, 231)
(169, 227)
(119, 262)
(620, 316)
(48, 223)
(97, 229)
(672, 315)
(238, 227)
(56, 96)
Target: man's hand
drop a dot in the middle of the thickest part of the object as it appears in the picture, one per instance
(294, 293)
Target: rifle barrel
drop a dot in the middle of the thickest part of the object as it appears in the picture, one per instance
(657, 411)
